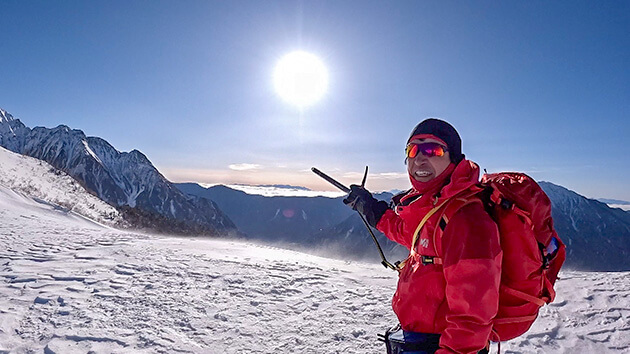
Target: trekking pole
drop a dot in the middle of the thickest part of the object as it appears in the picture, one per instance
(345, 189)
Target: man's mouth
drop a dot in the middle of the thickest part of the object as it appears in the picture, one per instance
(422, 173)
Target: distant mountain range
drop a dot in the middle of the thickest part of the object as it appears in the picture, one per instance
(613, 201)
(125, 180)
(290, 219)
(597, 236)
(320, 224)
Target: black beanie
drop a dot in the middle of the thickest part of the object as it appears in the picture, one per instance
(444, 131)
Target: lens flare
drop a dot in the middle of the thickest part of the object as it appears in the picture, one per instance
(300, 78)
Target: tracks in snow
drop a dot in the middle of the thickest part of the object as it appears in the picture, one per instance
(69, 289)
(107, 291)
(591, 313)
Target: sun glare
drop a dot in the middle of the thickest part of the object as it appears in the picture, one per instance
(300, 78)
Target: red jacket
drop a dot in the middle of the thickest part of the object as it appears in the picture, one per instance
(459, 298)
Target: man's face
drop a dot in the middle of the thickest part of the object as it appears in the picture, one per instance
(423, 168)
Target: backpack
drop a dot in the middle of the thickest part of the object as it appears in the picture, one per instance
(532, 251)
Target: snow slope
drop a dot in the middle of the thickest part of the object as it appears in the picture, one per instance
(39, 180)
(67, 286)
(124, 179)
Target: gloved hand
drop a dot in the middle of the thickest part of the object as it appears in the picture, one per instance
(361, 200)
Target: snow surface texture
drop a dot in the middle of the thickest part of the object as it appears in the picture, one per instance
(39, 180)
(70, 286)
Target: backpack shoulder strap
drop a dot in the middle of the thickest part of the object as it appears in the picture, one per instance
(424, 220)
(451, 209)
(454, 203)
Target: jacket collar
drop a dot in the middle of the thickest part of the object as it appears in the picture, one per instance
(464, 176)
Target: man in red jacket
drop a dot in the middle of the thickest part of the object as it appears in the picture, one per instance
(448, 289)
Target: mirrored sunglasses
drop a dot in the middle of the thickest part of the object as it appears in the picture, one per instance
(426, 149)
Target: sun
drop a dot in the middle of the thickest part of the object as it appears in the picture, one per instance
(300, 78)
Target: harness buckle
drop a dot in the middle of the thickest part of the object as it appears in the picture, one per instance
(427, 260)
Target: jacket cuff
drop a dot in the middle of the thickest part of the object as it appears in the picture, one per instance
(378, 209)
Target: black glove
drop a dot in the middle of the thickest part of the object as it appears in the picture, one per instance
(361, 200)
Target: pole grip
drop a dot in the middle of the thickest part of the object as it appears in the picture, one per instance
(336, 183)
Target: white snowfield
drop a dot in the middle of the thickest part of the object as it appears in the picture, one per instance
(68, 285)
(39, 180)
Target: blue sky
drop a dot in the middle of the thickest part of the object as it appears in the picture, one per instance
(534, 86)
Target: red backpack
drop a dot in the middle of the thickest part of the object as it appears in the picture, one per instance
(532, 251)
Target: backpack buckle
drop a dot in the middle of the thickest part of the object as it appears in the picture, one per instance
(426, 260)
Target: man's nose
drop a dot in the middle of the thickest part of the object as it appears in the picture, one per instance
(419, 159)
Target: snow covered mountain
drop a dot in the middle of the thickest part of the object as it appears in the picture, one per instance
(126, 180)
(597, 236)
(71, 287)
(24, 178)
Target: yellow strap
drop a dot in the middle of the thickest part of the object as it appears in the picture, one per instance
(434, 210)
(422, 222)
